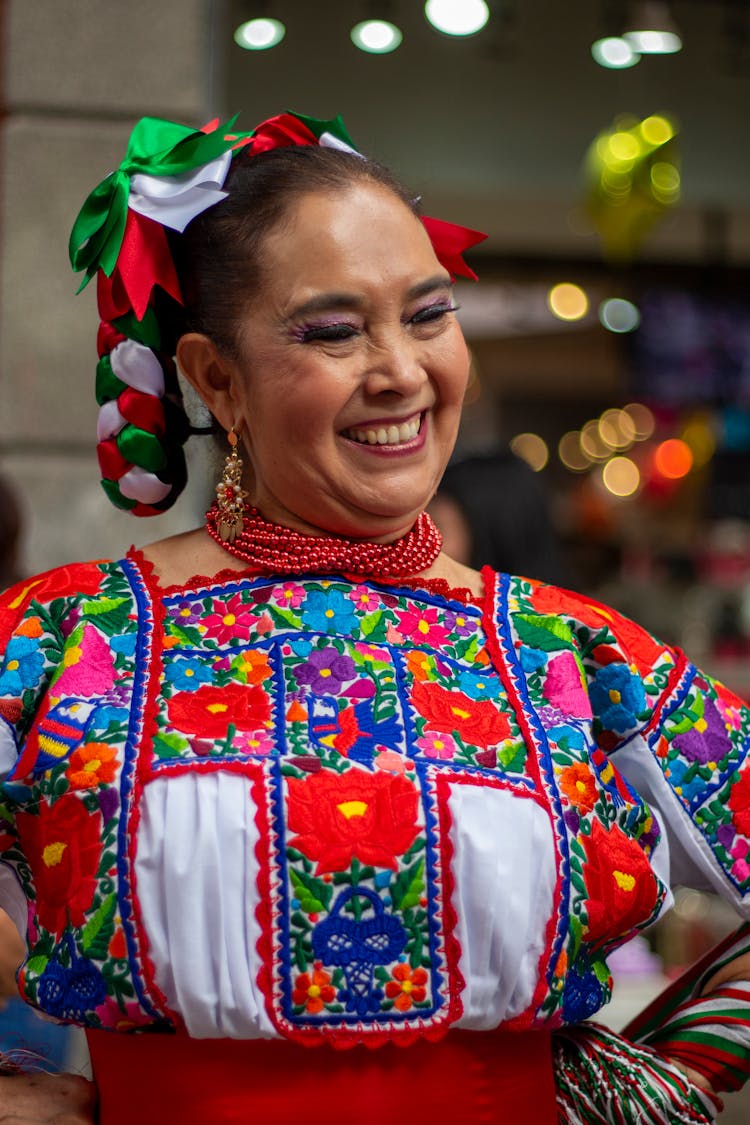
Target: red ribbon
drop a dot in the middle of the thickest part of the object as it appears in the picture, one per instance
(449, 241)
(144, 261)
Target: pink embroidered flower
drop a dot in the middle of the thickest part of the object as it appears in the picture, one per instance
(731, 715)
(230, 620)
(289, 595)
(365, 599)
(563, 686)
(88, 667)
(372, 652)
(423, 626)
(390, 761)
(741, 870)
(435, 744)
(253, 742)
(122, 1019)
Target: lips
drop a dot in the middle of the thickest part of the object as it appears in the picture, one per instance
(381, 433)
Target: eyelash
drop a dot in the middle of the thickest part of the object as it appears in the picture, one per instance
(338, 332)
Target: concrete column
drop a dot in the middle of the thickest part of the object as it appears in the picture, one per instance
(78, 74)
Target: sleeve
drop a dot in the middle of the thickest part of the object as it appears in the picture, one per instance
(35, 617)
(681, 740)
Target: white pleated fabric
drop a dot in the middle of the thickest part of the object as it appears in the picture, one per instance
(196, 877)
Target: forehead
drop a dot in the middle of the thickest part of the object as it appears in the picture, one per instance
(357, 235)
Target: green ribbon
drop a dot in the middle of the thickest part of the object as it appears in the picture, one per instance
(115, 497)
(141, 448)
(156, 148)
(108, 386)
(318, 126)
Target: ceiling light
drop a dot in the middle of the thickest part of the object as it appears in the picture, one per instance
(651, 30)
(259, 34)
(377, 37)
(457, 17)
(619, 315)
(614, 53)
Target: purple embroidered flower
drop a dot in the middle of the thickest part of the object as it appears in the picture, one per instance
(725, 834)
(459, 623)
(326, 671)
(617, 697)
(186, 612)
(708, 740)
(109, 802)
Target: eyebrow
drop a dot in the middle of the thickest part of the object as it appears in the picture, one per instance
(324, 302)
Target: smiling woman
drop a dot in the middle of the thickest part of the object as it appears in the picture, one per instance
(297, 777)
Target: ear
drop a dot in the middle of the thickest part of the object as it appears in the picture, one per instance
(209, 373)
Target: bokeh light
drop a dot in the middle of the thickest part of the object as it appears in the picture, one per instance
(457, 17)
(621, 476)
(571, 454)
(614, 53)
(656, 130)
(673, 459)
(260, 34)
(698, 435)
(532, 449)
(377, 37)
(618, 315)
(591, 442)
(642, 418)
(568, 301)
(654, 42)
(616, 429)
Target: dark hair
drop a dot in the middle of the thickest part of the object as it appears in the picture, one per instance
(219, 257)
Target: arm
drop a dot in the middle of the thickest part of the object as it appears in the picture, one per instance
(33, 1099)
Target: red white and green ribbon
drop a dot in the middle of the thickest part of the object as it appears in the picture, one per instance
(708, 1033)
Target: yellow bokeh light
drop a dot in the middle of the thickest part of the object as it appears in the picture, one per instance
(699, 436)
(665, 180)
(568, 301)
(624, 146)
(591, 442)
(532, 449)
(621, 476)
(642, 419)
(571, 454)
(616, 429)
(656, 130)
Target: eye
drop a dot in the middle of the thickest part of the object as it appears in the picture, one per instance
(326, 332)
(432, 313)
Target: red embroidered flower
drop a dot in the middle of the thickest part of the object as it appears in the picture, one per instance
(621, 887)
(230, 620)
(62, 845)
(313, 989)
(577, 783)
(638, 646)
(93, 763)
(477, 720)
(739, 803)
(209, 710)
(340, 817)
(407, 988)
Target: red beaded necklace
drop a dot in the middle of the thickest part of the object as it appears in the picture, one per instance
(271, 548)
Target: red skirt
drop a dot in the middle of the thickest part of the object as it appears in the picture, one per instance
(470, 1077)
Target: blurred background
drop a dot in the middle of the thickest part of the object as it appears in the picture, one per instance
(604, 147)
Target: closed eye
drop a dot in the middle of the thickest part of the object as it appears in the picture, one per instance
(432, 313)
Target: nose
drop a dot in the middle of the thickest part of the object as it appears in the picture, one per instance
(395, 365)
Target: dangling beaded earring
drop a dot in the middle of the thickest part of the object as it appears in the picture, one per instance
(230, 494)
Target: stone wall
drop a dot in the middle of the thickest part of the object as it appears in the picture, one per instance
(78, 74)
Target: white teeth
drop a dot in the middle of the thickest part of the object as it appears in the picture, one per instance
(387, 435)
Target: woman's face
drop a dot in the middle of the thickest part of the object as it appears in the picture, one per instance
(352, 368)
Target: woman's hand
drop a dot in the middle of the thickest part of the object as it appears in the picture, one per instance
(36, 1099)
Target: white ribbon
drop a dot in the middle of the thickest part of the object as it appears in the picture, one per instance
(137, 366)
(138, 484)
(110, 421)
(174, 200)
(328, 140)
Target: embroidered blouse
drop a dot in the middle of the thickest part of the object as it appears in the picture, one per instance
(338, 810)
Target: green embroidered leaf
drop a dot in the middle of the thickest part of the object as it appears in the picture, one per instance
(98, 931)
(370, 622)
(513, 757)
(187, 634)
(35, 966)
(169, 745)
(407, 887)
(101, 605)
(314, 895)
(601, 971)
(546, 633)
(283, 616)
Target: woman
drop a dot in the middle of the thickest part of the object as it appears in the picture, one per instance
(337, 790)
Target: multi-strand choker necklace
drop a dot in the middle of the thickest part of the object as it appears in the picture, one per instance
(270, 548)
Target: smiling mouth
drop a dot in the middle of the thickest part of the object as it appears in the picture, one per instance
(394, 434)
